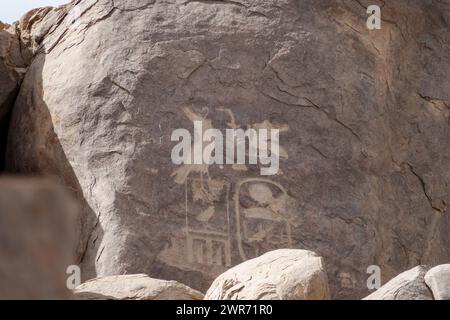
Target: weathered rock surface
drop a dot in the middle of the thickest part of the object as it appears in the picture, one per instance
(36, 239)
(135, 287)
(438, 280)
(12, 70)
(364, 120)
(284, 274)
(410, 285)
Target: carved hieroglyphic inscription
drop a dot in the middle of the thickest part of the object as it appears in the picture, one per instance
(263, 218)
(229, 217)
(208, 240)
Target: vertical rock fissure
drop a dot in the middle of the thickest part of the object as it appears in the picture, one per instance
(4, 128)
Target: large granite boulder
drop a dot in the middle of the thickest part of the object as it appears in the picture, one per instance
(284, 274)
(363, 118)
(409, 285)
(438, 280)
(134, 287)
(36, 239)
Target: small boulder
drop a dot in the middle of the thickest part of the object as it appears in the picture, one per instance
(278, 275)
(409, 285)
(438, 280)
(37, 240)
(135, 287)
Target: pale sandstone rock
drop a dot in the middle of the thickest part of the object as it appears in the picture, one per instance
(36, 239)
(135, 287)
(410, 285)
(284, 274)
(364, 119)
(438, 280)
(12, 69)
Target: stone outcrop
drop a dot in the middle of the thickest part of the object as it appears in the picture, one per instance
(36, 239)
(284, 274)
(12, 69)
(409, 285)
(134, 287)
(363, 119)
(438, 280)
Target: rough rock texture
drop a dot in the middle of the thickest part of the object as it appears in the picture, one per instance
(12, 69)
(135, 287)
(364, 120)
(36, 239)
(438, 280)
(410, 285)
(284, 274)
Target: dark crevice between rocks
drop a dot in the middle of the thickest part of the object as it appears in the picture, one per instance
(4, 129)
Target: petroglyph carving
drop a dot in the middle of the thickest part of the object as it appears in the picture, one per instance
(264, 216)
(180, 175)
(241, 146)
(206, 244)
(259, 218)
(208, 222)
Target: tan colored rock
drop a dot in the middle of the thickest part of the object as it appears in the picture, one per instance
(36, 239)
(12, 69)
(135, 287)
(283, 274)
(409, 285)
(438, 280)
(37, 23)
(363, 115)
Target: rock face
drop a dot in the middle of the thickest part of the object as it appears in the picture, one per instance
(438, 280)
(363, 119)
(409, 285)
(12, 69)
(10, 62)
(36, 239)
(278, 275)
(135, 287)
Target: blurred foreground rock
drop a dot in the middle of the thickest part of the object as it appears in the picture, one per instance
(36, 239)
(135, 287)
(278, 275)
